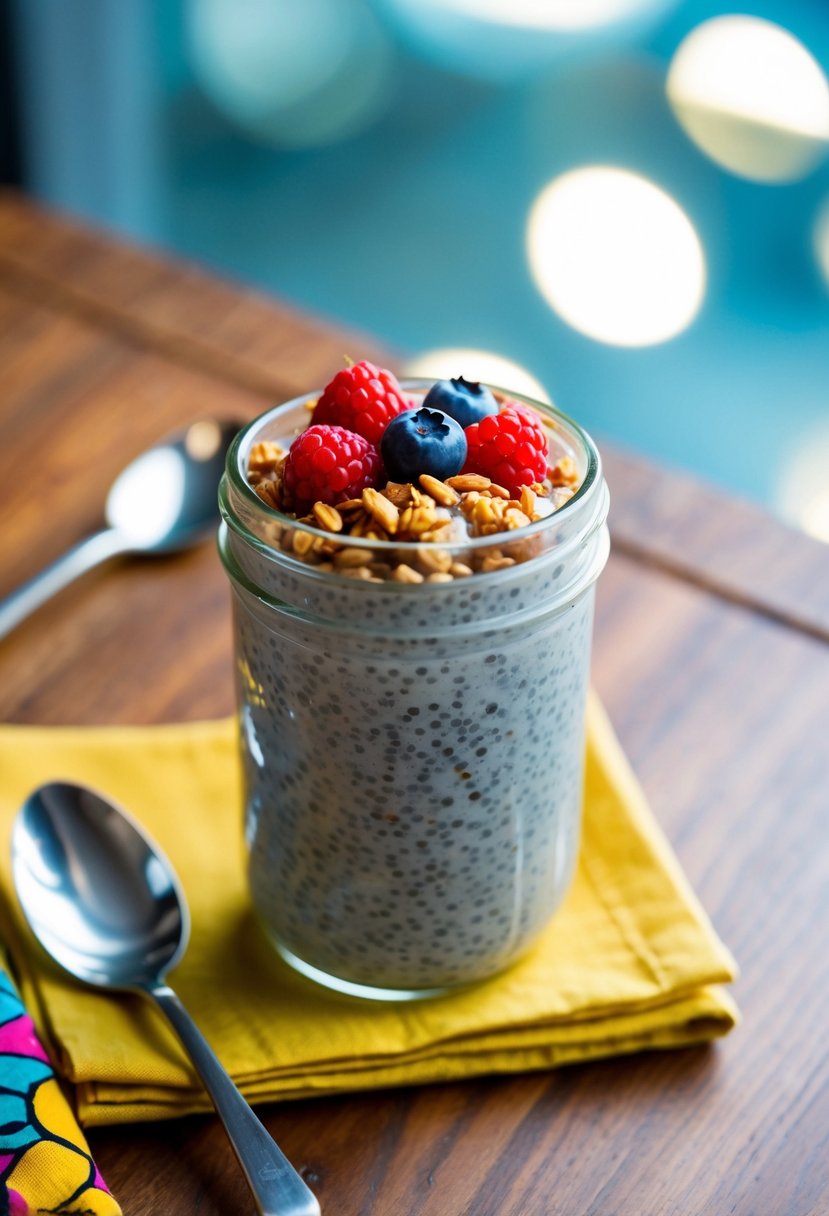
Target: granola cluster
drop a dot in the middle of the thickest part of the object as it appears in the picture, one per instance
(435, 515)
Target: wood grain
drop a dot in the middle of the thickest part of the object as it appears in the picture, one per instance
(715, 674)
(235, 335)
(729, 546)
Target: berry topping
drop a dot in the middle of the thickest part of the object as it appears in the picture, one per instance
(510, 447)
(464, 400)
(328, 464)
(363, 398)
(422, 441)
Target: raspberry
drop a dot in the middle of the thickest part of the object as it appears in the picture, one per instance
(510, 447)
(362, 398)
(328, 464)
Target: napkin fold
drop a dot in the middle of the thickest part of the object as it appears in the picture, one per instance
(630, 961)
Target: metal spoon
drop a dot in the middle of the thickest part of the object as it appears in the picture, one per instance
(164, 501)
(105, 903)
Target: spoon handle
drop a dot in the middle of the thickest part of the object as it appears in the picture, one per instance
(90, 552)
(274, 1183)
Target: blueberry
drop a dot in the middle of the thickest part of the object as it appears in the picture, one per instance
(422, 441)
(464, 400)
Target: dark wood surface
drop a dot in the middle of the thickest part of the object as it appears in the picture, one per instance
(710, 654)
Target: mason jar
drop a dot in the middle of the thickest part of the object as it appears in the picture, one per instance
(412, 752)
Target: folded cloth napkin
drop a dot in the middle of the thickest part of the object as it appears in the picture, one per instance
(45, 1164)
(629, 961)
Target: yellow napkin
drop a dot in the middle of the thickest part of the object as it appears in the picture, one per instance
(630, 961)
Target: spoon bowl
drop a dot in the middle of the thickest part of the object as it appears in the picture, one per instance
(166, 498)
(101, 900)
(106, 905)
(163, 502)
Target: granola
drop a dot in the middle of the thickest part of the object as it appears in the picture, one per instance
(434, 513)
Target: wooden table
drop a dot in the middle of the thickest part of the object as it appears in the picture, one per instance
(711, 656)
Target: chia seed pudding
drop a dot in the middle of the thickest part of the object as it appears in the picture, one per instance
(412, 748)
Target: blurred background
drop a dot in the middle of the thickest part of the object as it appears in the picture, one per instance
(622, 204)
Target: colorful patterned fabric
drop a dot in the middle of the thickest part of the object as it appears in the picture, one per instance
(45, 1164)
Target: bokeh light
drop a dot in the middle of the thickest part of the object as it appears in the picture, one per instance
(615, 256)
(802, 490)
(446, 362)
(820, 238)
(546, 14)
(505, 39)
(203, 439)
(752, 97)
(288, 74)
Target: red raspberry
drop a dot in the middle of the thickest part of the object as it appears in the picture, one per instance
(510, 447)
(363, 398)
(328, 464)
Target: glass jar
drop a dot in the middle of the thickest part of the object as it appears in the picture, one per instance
(412, 752)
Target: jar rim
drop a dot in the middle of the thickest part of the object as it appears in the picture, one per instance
(568, 594)
(236, 476)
